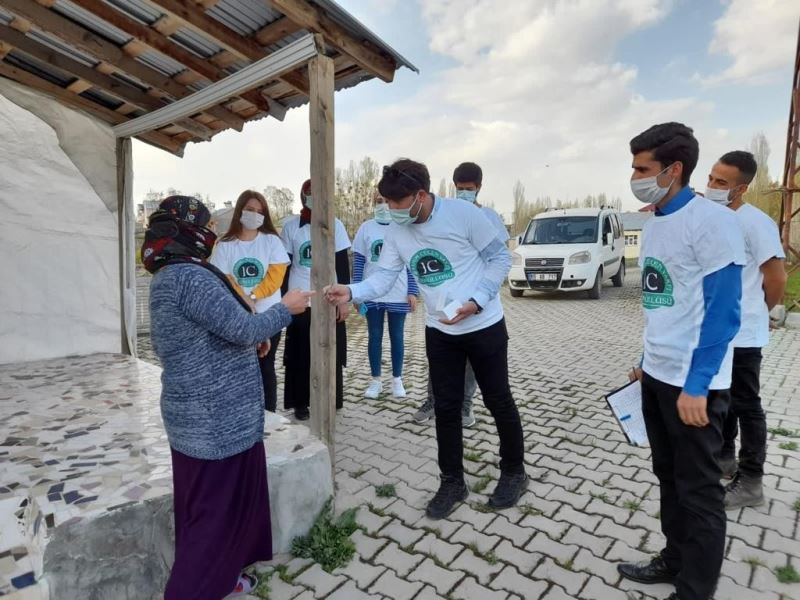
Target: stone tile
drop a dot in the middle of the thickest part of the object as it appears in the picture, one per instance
(509, 579)
(362, 573)
(318, 580)
(442, 579)
(480, 567)
(570, 580)
(400, 589)
(469, 589)
(366, 546)
(397, 560)
(445, 552)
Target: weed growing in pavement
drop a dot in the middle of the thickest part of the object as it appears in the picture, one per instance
(784, 432)
(787, 574)
(328, 542)
(490, 557)
(529, 510)
(788, 446)
(796, 505)
(481, 484)
(482, 507)
(376, 511)
(472, 456)
(385, 491)
(603, 497)
(632, 505)
(754, 562)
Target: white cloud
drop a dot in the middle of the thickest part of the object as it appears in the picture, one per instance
(758, 37)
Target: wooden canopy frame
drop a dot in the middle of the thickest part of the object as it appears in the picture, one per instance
(188, 74)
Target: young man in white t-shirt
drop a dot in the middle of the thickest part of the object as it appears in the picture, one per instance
(468, 179)
(692, 255)
(763, 284)
(459, 264)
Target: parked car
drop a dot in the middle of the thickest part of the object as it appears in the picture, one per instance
(569, 250)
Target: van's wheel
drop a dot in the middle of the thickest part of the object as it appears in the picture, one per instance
(619, 278)
(594, 293)
(515, 293)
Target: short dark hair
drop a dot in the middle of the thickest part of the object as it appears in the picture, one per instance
(670, 143)
(468, 172)
(742, 160)
(403, 177)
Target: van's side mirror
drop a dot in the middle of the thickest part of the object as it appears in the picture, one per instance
(519, 240)
(609, 239)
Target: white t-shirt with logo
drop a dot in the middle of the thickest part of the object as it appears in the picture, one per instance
(497, 221)
(297, 241)
(678, 250)
(369, 243)
(762, 242)
(443, 255)
(249, 261)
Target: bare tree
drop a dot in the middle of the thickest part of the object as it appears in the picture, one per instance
(280, 202)
(761, 192)
(355, 190)
(442, 193)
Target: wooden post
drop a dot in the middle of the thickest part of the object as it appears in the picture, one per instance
(323, 316)
(127, 253)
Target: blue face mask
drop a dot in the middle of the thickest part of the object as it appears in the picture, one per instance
(468, 195)
(382, 213)
(402, 216)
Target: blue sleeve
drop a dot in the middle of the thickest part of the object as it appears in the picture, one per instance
(413, 290)
(722, 293)
(205, 300)
(498, 263)
(359, 261)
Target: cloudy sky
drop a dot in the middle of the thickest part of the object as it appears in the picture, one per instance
(545, 91)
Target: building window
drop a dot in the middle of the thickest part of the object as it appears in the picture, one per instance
(631, 240)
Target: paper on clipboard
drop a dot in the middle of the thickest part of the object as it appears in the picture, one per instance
(626, 404)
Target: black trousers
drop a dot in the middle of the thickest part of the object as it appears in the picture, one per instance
(685, 461)
(268, 377)
(746, 414)
(297, 362)
(487, 351)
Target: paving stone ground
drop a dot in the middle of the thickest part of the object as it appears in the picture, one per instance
(593, 500)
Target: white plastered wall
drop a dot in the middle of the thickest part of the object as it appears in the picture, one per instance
(59, 252)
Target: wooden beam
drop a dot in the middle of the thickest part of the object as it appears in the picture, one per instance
(87, 77)
(323, 316)
(193, 16)
(80, 103)
(145, 37)
(103, 50)
(5, 49)
(315, 20)
(276, 31)
(167, 25)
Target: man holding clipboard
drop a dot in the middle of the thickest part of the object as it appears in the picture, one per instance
(691, 260)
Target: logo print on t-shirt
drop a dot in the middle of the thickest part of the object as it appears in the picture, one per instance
(375, 250)
(248, 272)
(431, 267)
(656, 284)
(305, 254)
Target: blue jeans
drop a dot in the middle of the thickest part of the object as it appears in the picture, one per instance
(375, 345)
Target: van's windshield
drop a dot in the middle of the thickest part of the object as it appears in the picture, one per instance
(562, 230)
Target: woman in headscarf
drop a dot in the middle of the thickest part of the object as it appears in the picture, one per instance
(296, 236)
(253, 258)
(205, 335)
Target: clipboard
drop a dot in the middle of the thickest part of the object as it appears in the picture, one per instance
(626, 406)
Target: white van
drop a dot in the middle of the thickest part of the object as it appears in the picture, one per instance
(570, 249)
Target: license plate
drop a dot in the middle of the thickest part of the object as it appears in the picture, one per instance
(542, 276)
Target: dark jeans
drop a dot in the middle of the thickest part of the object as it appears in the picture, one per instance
(268, 378)
(685, 462)
(375, 319)
(487, 350)
(746, 414)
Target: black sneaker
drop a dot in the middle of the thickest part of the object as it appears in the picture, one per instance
(452, 490)
(301, 414)
(652, 571)
(509, 489)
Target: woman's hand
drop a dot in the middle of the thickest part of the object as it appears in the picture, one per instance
(263, 348)
(297, 301)
(342, 312)
(412, 302)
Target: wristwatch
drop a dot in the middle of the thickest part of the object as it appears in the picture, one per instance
(475, 302)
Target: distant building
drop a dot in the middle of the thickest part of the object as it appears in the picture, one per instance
(633, 222)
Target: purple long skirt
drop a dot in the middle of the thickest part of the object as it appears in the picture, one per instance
(222, 522)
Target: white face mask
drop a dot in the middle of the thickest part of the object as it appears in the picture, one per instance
(307, 198)
(647, 189)
(403, 216)
(251, 219)
(719, 196)
(382, 213)
(468, 195)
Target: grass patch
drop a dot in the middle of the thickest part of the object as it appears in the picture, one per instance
(792, 292)
(490, 557)
(754, 562)
(796, 505)
(566, 564)
(529, 510)
(787, 574)
(784, 432)
(603, 497)
(482, 507)
(481, 484)
(328, 542)
(632, 505)
(788, 446)
(472, 456)
(385, 491)
(262, 589)
(376, 511)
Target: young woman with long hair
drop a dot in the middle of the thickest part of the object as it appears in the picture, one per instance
(253, 257)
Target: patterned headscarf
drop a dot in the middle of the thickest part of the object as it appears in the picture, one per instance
(177, 232)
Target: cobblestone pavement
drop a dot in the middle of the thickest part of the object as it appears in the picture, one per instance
(593, 501)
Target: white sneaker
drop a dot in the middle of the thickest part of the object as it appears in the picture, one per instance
(374, 389)
(467, 418)
(398, 391)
